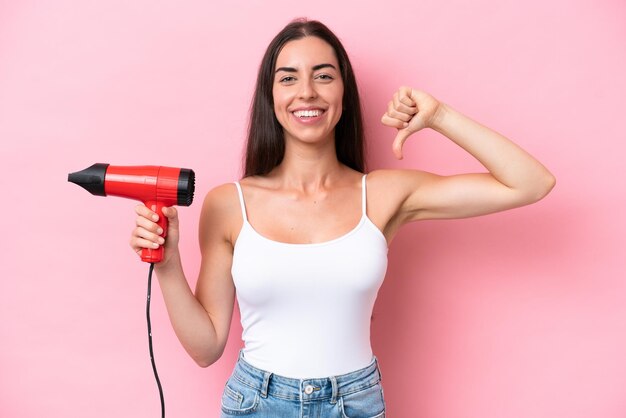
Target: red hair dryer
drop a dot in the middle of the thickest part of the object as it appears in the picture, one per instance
(153, 185)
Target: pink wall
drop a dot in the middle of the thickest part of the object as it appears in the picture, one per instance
(520, 314)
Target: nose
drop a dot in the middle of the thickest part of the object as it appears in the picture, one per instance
(307, 89)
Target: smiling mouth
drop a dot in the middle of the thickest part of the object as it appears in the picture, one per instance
(302, 114)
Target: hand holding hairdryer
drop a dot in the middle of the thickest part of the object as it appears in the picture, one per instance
(156, 186)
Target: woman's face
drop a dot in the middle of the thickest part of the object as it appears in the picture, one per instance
(307, 90)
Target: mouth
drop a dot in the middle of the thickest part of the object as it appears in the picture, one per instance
(308, 113)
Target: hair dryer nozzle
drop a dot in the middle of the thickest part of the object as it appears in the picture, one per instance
(186, 186)
(91, 178)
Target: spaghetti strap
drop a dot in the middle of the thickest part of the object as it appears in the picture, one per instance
(241, 202)
(364, 193)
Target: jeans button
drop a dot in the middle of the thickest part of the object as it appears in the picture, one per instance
(308, 389)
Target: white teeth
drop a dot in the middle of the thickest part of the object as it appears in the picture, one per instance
(307, 113)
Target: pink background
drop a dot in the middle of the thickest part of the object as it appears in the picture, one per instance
(519, 314)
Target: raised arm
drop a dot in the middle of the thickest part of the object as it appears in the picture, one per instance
(514, 177)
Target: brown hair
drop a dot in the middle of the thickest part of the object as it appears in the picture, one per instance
(265, 146)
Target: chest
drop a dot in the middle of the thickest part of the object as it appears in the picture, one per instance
(350, 267)
(305, 219)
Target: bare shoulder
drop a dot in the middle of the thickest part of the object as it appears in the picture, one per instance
(221, 199)
(221, 212)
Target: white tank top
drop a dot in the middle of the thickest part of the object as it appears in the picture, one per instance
(306, 308)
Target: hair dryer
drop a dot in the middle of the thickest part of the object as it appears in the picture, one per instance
(153, 185)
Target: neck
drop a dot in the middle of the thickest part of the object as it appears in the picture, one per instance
(309, 167)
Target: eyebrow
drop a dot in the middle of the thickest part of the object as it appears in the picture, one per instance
(315, 68)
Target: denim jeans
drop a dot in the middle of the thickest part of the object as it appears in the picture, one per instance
(257, 393)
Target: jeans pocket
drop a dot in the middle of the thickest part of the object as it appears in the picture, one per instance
(239, 399)
(366, 403)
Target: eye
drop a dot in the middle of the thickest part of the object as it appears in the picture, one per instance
(324, 77)
(288, 79)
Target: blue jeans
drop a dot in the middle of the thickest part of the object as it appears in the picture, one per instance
(257, 393)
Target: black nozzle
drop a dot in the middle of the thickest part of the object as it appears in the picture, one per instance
(186, 187)
(91, 179)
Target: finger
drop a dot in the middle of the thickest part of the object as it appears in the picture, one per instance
(144, 211)
(395, 113)
(405, 96)
(148, 225)
(418, 95)
(403, 104)
(172, 217)
(170, 212)
(418, 123)
(402, 117)
(142, 233)
(393, 122)
(398, 143)
(139, 244)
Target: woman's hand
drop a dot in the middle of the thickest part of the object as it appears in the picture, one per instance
(147, 233)
(409, 111)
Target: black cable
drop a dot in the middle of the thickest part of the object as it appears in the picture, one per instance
(156, 375)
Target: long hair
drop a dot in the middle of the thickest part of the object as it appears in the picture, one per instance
(265, 146)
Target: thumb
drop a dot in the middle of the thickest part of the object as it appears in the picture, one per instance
(171, 213)
(398, 143)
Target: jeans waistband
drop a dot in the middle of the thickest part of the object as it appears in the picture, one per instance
(268, 383)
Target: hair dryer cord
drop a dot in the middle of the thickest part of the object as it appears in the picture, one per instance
(156, 375)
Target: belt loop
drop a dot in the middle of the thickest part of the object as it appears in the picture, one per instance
(333, 398)
(380, 374)
(266, 383)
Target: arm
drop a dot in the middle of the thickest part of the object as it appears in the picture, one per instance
(515, 178)
(201, 321)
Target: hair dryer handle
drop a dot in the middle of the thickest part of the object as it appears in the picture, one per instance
(150, 255)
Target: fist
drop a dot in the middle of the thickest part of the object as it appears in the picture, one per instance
(409, 111)
(148, 234)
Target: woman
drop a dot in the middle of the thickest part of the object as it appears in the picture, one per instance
(304, 235)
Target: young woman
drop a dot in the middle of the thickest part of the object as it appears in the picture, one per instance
(303, 236)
